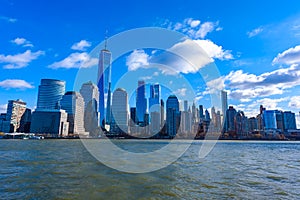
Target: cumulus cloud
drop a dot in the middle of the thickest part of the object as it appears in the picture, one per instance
(75, 60)
(19, 60)
(214, 51)
(245, 86)
(22, 42)
(194, 28)
(290, 56)
(255, 32)
(16, 84)
(294, 102)
(187, 56)
(137, 59)
(180, 92)
(81, 46)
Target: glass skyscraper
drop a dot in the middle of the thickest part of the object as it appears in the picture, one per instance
(104, 83)
(173, 115)
(119, 111)
(154, 98)
(50, 93)
(141, 101)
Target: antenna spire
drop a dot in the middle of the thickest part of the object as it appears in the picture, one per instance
(105, 45)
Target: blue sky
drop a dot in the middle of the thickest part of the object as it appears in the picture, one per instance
(254, 44)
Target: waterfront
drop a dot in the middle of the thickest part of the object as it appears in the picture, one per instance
(63, 169)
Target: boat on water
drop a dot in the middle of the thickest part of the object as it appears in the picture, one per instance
(24, 136)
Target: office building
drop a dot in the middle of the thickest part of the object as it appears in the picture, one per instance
(119, 109)
(173, 115)
(224, 102)
(90, 94)
(104, 83)
(50, 93)
(73, 104)
(14, 113)
(154, 98)
(141, 102)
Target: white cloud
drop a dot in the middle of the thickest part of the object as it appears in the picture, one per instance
(194, 28)
(137, 59)
(22, 41)
(15, 83)
(81, 46)
(75, 60)
(3, 108)
(214, 51)
(19, 60)
(8, 19)
(255, 32)
(249, 86)
(290, 56)
(181, 92)
(294, 102)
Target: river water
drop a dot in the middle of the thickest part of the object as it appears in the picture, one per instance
(64, 169)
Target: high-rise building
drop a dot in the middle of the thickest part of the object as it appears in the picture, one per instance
(15, 111)
(25, 122)
(104, 83)
(48, 118)
(185, 105)
(155, 122)
(229, 119)
(50, 122)
(50, 93)
(252, 124)
(119, 109)
(90, 94)
(133, 118)
(269, 119)
(141, 102)
(162, 113)
(224, 102)
(173, 115)
(201, 113)
(154, 98)
(289, 120)
(73, 104)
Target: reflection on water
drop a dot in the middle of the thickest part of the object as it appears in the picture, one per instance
(63, 169)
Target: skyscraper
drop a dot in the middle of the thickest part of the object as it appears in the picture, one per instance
(201, 113)
(162, 113)
(50, 93)
(224, 102)
(141, 102)
(73, 104)
(104, 80)
(173, 115)
(185, 105)
(119, 110)
(154, 98)
(15, 111)
(90, 94)
(48, 118)
(229, 119)
(289, 120)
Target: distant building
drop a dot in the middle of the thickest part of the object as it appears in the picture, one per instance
(48, 118)
(104, 83)
(119, 111)
(224, 102)
(73, 104)
(162, 113)
(50, 122)
(25, 122)
(90, 94)
(289, 120)
(141, 101)
(173, 115)
(252, 124)
(201, 113)
(229, 120)
(50, 93)
(155, 122)
(133, 117)
(154, 98)
(15, 111)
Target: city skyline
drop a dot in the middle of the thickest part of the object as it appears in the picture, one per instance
(256, 54)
